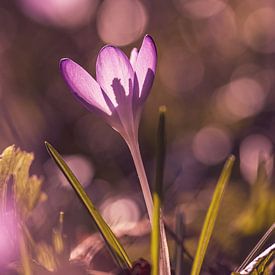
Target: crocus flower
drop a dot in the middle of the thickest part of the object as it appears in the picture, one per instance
(121, 85)
(118, 94)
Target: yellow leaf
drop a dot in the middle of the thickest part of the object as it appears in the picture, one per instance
(14, 170)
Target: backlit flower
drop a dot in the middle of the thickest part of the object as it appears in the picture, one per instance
(121, 85)
(118, 95)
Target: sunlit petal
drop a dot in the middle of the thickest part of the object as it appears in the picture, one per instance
(114, 73)
(83, 85)
(133, 57)
(146, 66)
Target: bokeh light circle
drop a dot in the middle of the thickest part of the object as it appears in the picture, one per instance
(211, 145)
(245, 97)
(121, 22)
(121, 214)
(241, 98)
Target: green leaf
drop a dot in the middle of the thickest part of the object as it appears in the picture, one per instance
(211, 216)
(155, 235)
(157, 193)
(114, 245)
(160, 154)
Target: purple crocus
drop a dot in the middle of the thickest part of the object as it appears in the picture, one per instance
(118, 94)
(121, 85)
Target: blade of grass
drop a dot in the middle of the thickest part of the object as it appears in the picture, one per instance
(211, 216)
(257, 247)
(158, 193)
(114, 245)
(155, 235)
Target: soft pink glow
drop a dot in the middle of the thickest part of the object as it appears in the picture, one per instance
(264, 76)
(244, 97)
(121, 214)
(253, 149)
(211, 145)
(121, 22)
(8, 238)
(62, 13)
(241, 98)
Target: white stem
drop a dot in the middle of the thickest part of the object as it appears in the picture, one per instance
(165, 268)
(135, 152)
(164, 253)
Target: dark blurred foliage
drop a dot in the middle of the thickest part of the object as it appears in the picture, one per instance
(215, 75)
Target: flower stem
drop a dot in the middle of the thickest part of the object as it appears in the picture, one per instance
(164, 253)
(135, 152)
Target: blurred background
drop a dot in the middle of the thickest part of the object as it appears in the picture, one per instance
(216, 75)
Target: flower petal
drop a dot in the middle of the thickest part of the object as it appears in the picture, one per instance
(146, 66)
(133, 57)
(114, 74)
(83, 85)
